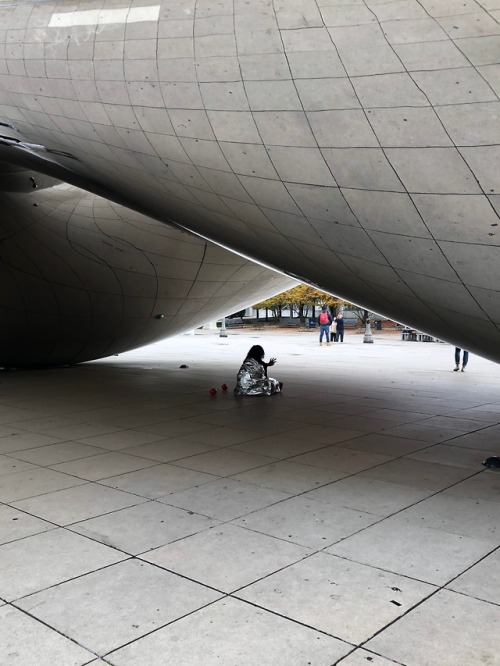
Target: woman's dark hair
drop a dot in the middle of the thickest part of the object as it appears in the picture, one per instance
(256, 352)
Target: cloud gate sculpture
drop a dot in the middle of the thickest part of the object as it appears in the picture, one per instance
(351, 144)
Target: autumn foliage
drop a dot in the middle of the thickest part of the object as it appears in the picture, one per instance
(298, 299)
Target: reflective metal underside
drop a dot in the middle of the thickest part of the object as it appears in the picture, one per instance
(354, 145)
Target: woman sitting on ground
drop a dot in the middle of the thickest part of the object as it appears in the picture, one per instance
(252, 377)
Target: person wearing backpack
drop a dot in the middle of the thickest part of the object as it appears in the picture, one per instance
(324, 321)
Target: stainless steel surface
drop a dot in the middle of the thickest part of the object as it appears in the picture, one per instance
(353, 144)
(82, 278)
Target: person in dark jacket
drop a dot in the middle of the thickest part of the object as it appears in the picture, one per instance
(339, 335)
(324, 321)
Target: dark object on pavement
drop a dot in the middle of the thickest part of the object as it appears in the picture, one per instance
(493, 462)
(184, 366)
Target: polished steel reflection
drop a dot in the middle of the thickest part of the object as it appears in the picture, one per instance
(354, 144)
(83, 278)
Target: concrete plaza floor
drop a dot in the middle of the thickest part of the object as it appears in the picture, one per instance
(347, 521)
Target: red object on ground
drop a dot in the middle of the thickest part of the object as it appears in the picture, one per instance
(213, 391)
(224, 387)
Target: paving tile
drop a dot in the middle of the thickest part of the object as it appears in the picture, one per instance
(104, 465)
(7, 431)
(289, 477)
(307, 522)
(485, 485)
(135, 420)
(167, 450)
(74, 504)
(487, 417)
(218, 419)
(22, 637)
(396, 415)
(12, 415)
(426, 433)
(33, 482)
(418, 474)
(94, 611)
(42, 424)
(428, 635)
(493, 431)
(454, 423)
(325, 435)
(364, 423)
(10, 465)
(222, 436)
(452, 455)
(25, 440)
(229, 546)
(347, 600)
(279, 446)
(489, 408)
(178, 428)
(362, 657)
(342, 459)
(360, 493)
(158, 481)
(387, 445)
(481, 581)
(474, 518)
(371, 403)
(143, 527)
(418, 552)
(232, 632)
(43, 560)
(115, 441)
(224, 499)
(57, 453)
(224, 462)
(81, 430)
(482, 439)
(16, 524)
(315, 415)
(431, 405)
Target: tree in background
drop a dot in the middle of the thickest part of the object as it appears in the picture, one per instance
(275, 304)
(298, 299)
(361, 314)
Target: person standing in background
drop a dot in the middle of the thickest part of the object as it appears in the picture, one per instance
(333, 330)
(324, 321)
(465, 359)
(339, 320)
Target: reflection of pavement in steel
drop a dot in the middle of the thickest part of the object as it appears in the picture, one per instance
(97, 17)
(353, 146)
(83, 277)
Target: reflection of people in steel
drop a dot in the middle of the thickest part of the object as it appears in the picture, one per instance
(252, 377)
(465, 359)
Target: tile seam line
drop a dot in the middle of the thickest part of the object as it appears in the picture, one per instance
(57, 631)
(440, 588)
